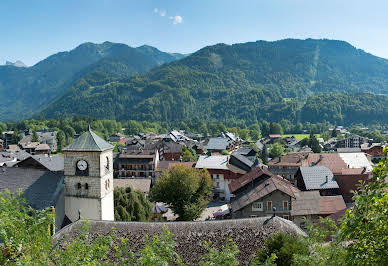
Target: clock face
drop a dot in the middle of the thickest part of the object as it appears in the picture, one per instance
(82, 165)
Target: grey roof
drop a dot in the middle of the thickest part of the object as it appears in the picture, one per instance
(218, 143)
(41, 188)
(318, 177)
(312, 203)
(51, 163)
(243, 159)
(248, 234)
(259, 145)
(213, 162)
(244, 150)
(88, 141)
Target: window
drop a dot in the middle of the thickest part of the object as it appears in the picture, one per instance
(285, 205)
(217, 184)
(86, 186)
(257, 206)
(269, 205)
(253, 216)
(79, 186)
(286, 217)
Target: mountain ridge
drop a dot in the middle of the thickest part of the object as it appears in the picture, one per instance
(271, 81)
(27, 90)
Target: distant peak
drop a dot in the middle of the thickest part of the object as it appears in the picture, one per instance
(18, 63)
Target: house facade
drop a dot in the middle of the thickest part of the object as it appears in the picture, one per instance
(273, 196)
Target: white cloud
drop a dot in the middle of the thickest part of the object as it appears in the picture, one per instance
(176, 20)
(162, 13)
(156, 10)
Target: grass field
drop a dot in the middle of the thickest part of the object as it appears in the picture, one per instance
(301, 136)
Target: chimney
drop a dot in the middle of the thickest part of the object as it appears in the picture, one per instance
(363, 170)
(280, 159)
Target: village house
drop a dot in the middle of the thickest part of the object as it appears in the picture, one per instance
(287, 165)
(272, 196)
(171, 151)
(352, 142)
(136, 163)
(310, 205)
(45, 136)
(222, 172)
(34, 147)
(116, 137)
(318, 178)
(375, 151)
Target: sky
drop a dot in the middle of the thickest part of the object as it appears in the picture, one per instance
(31, 30)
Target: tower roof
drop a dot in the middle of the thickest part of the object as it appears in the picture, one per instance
(88, 141)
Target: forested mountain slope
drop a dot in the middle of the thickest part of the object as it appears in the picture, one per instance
(250, 81)
(25, 90)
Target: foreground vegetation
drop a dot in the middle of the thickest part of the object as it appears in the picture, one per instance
(361, 239)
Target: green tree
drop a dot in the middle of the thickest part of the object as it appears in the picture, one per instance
(264, 154)
(275, 128)
(284, 246)
(131, 205)
(61, 140)
(225, 256)
(189, 155)
(276, 150)
(334, 133)
(186, 190)
(366, 224)
(35, 137)
(313, 143)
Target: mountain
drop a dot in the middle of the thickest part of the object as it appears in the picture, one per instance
(27, 90)
(18, 63)
(249, 81)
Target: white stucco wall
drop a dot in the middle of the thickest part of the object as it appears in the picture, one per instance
(107, 207)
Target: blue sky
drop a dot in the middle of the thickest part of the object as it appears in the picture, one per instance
(31, 30)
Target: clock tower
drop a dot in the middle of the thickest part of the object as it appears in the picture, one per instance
(89, 178)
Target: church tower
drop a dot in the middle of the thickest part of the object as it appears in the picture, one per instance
(89, 178)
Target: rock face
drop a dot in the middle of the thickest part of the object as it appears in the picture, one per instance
(249, 234)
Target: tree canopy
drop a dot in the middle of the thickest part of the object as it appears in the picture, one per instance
(185, 190)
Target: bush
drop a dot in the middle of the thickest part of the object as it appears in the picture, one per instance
(284, 246)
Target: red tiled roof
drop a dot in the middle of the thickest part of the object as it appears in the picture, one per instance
(123, 141)
(331, 160)
(292, 159)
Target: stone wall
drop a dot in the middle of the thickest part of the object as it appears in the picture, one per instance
(249, 234)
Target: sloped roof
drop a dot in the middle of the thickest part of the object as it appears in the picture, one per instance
(248, 234)
(270, 185)
(51, 163)
(356, 160)
(311, 202)
(318, 177)
(88, 141)
(41, 188)
(242, 159)
(218, 143)
(333, 161)
(247, 178)
(213, 162)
